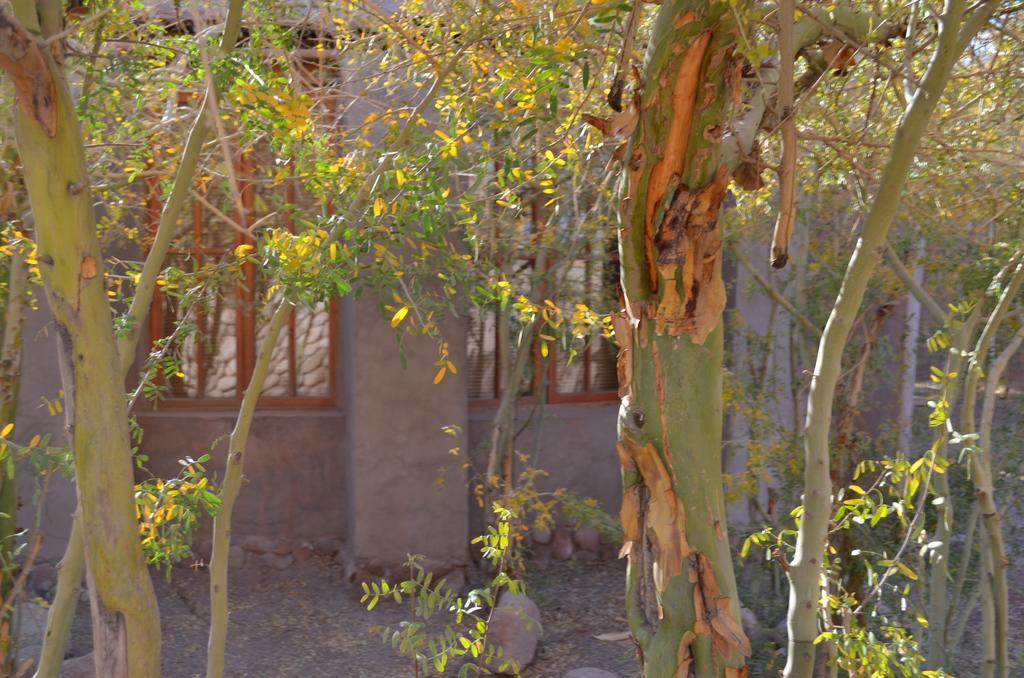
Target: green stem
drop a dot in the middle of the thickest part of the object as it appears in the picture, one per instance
(928, 303)
(10, 380)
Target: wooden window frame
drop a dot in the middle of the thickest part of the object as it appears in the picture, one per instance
(246, 334)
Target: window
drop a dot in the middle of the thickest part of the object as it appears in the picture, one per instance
(591, 376)
(230, 324)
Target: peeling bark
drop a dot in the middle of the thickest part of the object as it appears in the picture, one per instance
(23, 58)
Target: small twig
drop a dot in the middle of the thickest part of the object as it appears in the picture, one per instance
(780, 557)
(218, 123)
(625, 56)
(803, 321)
(219, 214)
(787, 176)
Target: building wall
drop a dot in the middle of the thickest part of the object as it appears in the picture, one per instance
(405, 491)
(573, 443)
(294, 466)
(40, 382)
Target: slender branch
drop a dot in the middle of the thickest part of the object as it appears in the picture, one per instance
(981, 467)
(927, 301)
(175, 202)
(625, 56)
(62, 612)
(803, 321)
(229, 493)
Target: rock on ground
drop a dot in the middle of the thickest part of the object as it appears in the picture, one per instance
(751, 625)
(515, 628)
(43, 580)
(541, 535)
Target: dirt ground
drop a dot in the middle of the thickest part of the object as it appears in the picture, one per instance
(306, 622)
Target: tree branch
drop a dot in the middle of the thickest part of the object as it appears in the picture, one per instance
(927, 301)
(802, 321)
(175, 202)
(787, 176)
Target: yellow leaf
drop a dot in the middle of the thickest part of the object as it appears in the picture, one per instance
(7, 430)
(440, 375)
(399, 315)
(379, 206)
(907, 571)
(35, 440)
(451, 367)
(544, 349)
(334, 251)
(400, 178)
(242, 250)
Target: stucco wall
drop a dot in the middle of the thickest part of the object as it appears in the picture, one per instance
(294, 466)
(406, 492)
(574, 444)
(40, 378)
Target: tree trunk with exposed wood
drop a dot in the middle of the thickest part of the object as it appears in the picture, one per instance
(681, 592)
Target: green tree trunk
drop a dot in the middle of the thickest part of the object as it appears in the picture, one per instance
(126, 623)
(681, 592)
(805, 571)
(229, 493)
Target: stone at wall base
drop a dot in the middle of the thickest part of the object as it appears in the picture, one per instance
(327, 547)
(43, 580)
(751, 624)
(540, 535)
(561, 546)
(587, 538)
(302, 553)
(585, 556)
(278, 561)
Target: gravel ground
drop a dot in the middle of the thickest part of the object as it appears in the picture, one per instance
(306, 622)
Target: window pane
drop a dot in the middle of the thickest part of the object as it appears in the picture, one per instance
(312, 351)
(603, 374)
(208, 354)
(218, 345)
(278, 382)
(481, 353)
(570, 377)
